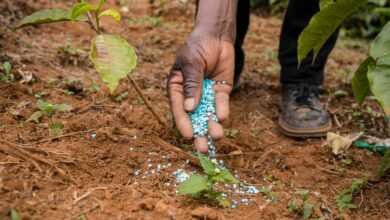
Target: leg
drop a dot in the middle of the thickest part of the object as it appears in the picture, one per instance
(243, 15)
(302, 114)
(297, 17)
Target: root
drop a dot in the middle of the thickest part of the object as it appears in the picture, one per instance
(147, 103)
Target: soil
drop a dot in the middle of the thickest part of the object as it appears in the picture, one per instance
(91, 171)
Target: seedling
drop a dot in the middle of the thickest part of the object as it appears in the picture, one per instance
(48, 109)
(203, 186)
(344, 200)
(299, 204)
(112, 56)
(56, 129)
(7, 75)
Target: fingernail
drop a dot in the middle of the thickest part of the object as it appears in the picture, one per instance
(189, 104)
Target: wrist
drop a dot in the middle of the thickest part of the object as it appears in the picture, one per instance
(217, 18)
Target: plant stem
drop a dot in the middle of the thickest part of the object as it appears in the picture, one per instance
(92, 24)
(147, 103)
(97, 22)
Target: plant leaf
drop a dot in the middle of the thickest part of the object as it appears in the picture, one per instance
(46, 107)
(35, 117)
(208, 166)
(193, 186)
(383, 11)
(223, 202)
(379, 78)
(307, 210)
(111, 12)
(381, 45)
(225, 176)
(385, 164)
(360, 84)
(113, 58)
(45, 16)
(7, 68)
(15, 215)
(325, 3)
(344, 200)
(55, 129)
(324, 24)
(80, 9)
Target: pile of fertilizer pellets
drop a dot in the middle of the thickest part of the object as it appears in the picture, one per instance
(203, 113)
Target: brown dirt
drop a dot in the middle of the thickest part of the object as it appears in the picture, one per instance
(96, 177)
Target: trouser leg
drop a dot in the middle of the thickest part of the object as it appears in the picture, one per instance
(297, 17)
(243, 16)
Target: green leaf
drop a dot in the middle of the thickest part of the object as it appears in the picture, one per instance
(345, 199)
(55, 129)
(304, 193)
(325, 3)
(35, 117)
(360, 84)
(292, 205)
(383, 11)
(7, 68)
(80, 9)
(208, 166)
(46, 107)
(381, 45)
(225, 177)
(45, 16)
(324, 24)
(15, 215)
(111, 12)
(113, 58)
(223, 202)
(307, 210)
(379, 78)
(385, 164)
(194, 186)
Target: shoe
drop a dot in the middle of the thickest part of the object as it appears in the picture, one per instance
(302, 114)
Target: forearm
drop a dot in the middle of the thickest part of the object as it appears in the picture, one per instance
(218, 18)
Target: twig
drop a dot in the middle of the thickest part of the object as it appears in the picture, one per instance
(25, 155)
(169, 147)
(58, 137)
(147, 103)
(85, 195)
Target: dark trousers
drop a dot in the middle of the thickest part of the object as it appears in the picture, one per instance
(298, 15)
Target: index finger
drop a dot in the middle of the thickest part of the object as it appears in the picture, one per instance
(176, 98)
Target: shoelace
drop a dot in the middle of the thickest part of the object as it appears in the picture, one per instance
(305, 95)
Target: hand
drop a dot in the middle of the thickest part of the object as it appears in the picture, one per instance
(202, 56)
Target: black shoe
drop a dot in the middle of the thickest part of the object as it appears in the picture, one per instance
(302, 114)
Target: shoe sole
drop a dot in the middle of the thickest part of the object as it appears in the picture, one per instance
(303, 132)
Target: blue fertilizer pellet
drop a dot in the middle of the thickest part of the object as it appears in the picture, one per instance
(203, 113)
